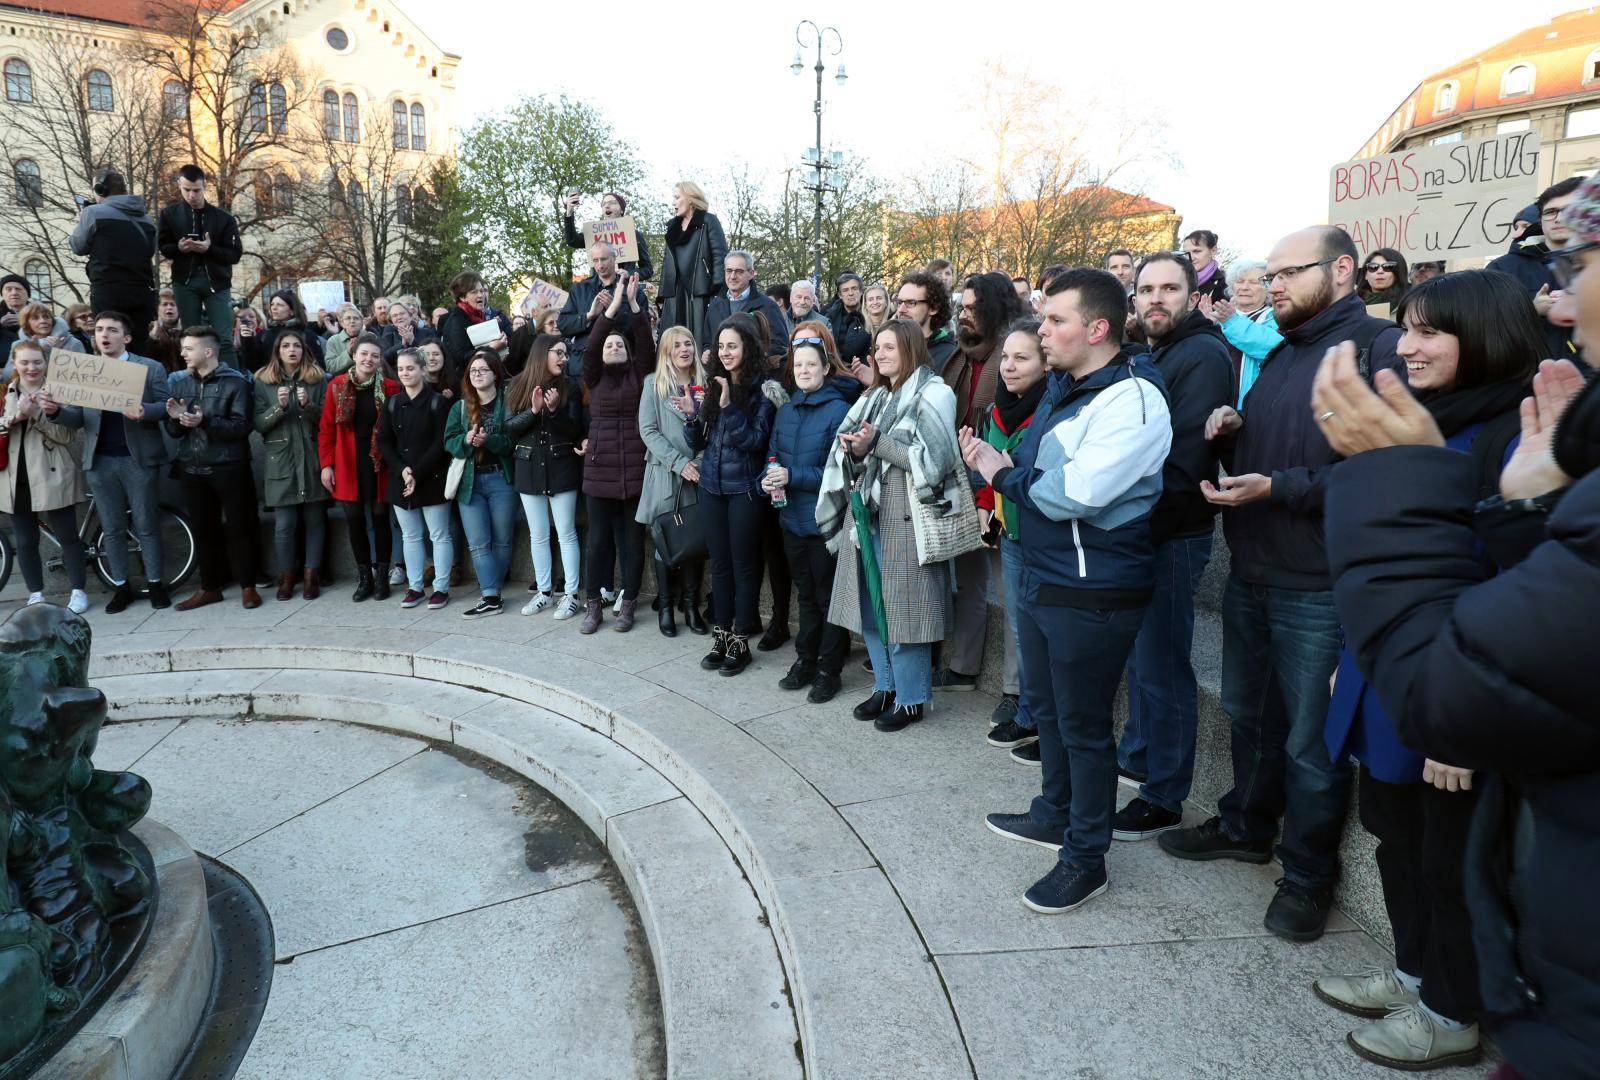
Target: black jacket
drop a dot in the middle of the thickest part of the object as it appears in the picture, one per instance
(1494, 675)
(255, 350)
(1198, 374)
(178, 220)
(411, 435)
(545, 458)
(389, 337)
(707, 245)
(850, 333)
(1279, 541)
(119, 239)
(721, 307)
(457, 345)
(575, 240)
(226, 399)
(574, 321)
(1525, 262)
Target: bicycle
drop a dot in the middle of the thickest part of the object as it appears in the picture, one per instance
(177, 542)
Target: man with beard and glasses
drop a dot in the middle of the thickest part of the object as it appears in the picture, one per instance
(924, 298)
(1189, 352)
(988, 306)
(1281, 633)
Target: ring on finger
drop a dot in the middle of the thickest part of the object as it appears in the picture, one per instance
(1325, 417)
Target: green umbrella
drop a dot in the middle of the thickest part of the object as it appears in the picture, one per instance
(869, 562)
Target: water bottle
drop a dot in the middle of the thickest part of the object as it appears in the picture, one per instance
(779, 499)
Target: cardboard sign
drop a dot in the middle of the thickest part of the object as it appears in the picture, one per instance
(94, 382)
(618, 232)
(321, 296)
(1451, 201)
(542, 295)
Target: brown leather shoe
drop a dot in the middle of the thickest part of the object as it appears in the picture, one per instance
(313, 587)
(286, 586)
(200, 599)
(250, 598)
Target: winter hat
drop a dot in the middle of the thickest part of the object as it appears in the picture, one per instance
(1582, 214)
(1529, 213)
(18, 279)
(620, 200)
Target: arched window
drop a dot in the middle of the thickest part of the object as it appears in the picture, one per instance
(1516, 81)
(266, 206)
(352, 119)
(399, 125)
(356, 197)
(1444, 99)
(99, 86)
(336, 196)
(37, 271)
(283, 193)
(330, 114)
(258, 108)
(402, 204)
(419, 128)
(29, 186)
(19, 81)
(280, 108)
(174, 100)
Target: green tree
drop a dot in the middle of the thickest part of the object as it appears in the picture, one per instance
(517, 166)
(440, 240)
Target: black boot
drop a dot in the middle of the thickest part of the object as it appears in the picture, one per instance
(712, 660)
(738, 655)
(364, 584)
(689, 589)
(381, 582)
(665, 599)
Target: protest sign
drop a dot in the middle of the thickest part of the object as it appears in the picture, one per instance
(321, 296)
(94, 382)
(618, 232)
(1451, 201)
(543, 295)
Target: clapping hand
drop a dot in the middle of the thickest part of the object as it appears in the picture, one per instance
(725, 400)
(1354, 419)
(48, 403)
(1224, 420)
(283, 397)
(602, 301)
(408, 481)
(476, 435)
(302, 395)
(683, 403)
(633, 290)
(1218, 311)
(551, 396)
(859, 441)
(176, 408)
(980, 456)
(1532, 470)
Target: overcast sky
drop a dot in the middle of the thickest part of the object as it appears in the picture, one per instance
(1257, 100)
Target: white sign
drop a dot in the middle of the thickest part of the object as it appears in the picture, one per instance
(1451, 201)
(619, 232)
(321, 296)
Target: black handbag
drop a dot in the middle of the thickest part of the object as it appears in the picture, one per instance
(677, 534)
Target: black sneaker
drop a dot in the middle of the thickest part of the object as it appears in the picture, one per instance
(1005, 711)
(945, 679)
(158, 596)
(823, 689)
(1027, 754)
(1208, 841)
(801, 675)
(1298, 913)
(1064, 888)
(120, 599)
(1140, 820)
(1021, 827)
(903, 716)
(1009, 735)
(1126, 775)
(489, 605)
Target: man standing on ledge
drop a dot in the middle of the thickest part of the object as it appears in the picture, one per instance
(203, 243)
(119, 238)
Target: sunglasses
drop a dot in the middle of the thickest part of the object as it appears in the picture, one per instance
(1387, 268)
(1563, 267)
(806, 341)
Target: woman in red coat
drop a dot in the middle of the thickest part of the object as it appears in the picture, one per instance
(353, 469)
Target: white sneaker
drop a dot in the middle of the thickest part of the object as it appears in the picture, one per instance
(537, 603)
(78, 602)
(1371, 993)
(1409, 1039)
(568, 606)
(397, 575)
(35, 598)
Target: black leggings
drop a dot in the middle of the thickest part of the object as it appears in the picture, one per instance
(732, 525)
(355, 523)
(25, 526)
(612, 530)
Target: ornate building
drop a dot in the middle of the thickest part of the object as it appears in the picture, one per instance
(283, 113)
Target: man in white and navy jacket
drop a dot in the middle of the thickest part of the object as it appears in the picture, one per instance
(1085, 480)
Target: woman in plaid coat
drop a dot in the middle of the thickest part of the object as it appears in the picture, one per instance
(897, 439)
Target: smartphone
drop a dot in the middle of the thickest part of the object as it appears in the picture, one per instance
(81, 201)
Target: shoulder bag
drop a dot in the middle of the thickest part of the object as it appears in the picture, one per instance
(677, 534)
(942, 536)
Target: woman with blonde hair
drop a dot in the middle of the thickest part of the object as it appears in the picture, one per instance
(336, 350)
(672, 472)
(36, 323)
(691, 264)
(289, 392)
(80, 322)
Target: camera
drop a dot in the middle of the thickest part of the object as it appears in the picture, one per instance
(81, 201)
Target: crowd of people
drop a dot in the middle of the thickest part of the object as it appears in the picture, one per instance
(1399, 457)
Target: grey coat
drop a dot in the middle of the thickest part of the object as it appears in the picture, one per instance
(145, 443)
(666, 446)
(916, 598)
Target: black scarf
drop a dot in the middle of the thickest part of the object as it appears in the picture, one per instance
(1577, 436)
(1493, 405)
(677, 234)
(1014, 409)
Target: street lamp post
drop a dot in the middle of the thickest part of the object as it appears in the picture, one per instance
(817, 180)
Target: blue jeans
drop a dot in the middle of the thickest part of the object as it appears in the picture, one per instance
(1163, 702)
(1011, 580)
(1279, 648)
(539, 509)
(436, 520)
(1073, 659)
(907, 669)
(490, 520)
(121, 485)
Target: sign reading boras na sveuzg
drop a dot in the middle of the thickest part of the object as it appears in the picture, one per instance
(1451, 201)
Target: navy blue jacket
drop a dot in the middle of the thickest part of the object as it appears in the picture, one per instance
(802, 436)
(1525, 262)
(1085, 479)
(720, 308)
(1278, 541)
(1198, 374)
(733, 453)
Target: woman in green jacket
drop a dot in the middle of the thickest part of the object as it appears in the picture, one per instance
(486, 496)
(289, 391)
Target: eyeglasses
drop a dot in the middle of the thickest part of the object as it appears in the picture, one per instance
(806, 341)
(1387, 268)
(1563, 267)
(1550, 213)
(1289, 273)
(479, 371)
(901, 302)
(734, 270)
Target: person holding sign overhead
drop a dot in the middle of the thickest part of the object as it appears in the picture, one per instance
(612, 207)
(40, 476)
(123, 454)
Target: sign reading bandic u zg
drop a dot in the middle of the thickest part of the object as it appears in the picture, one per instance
(1451, 201)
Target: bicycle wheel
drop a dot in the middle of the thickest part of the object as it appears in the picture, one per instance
(177, 553)
(8, 557)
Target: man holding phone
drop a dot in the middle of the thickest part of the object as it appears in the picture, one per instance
(203, 243)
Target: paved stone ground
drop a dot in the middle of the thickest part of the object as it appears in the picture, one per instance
(435, 916)
(1170, 974)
